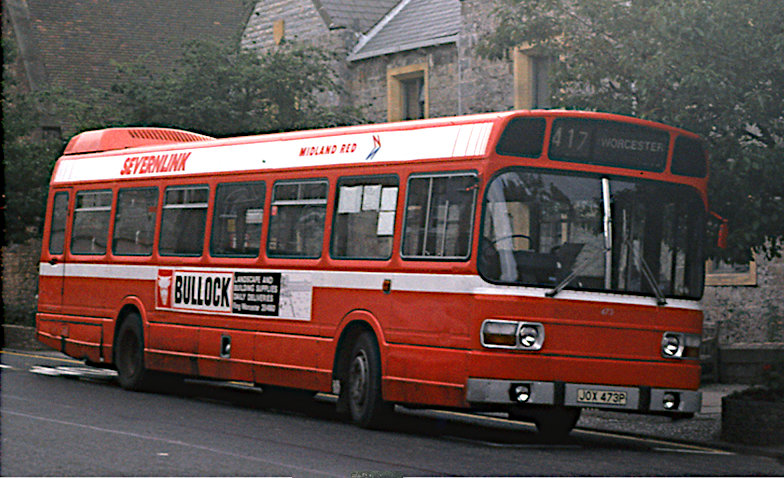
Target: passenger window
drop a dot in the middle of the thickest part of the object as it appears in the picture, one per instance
(297, 213)
(364, 218)
(237, 220)
(57, 227)
(134, 222)
(183, 219)
(91, 222)
(439, 216)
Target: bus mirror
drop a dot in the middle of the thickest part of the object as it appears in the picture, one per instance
(724, 230)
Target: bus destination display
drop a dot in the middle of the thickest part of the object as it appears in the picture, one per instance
(609, 144)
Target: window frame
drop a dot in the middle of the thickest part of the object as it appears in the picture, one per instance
(210, 248)
(471, 233)
(76, 209)
(363, 180)
(396, 80)
(67, 194)
(155, 220)
(164, 207)
(273, 204)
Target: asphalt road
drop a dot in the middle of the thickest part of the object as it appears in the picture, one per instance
(60, 418)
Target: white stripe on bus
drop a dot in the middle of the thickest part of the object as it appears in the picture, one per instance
(401, 281)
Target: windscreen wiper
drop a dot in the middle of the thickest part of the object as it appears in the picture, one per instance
(646, 272)
(607, 226)
(587, 262)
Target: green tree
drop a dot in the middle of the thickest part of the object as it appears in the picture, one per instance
(710, 66)
(221, 91)
(212, 89)
(28, 158)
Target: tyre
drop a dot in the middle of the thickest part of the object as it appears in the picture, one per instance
(363, 377)
(129, 354)
(553, 423)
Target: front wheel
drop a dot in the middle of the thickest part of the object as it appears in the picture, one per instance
(552, 422)
(363, 394)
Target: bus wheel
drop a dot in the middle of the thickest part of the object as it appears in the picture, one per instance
(364, 399)
(553, 423)
(129, 354)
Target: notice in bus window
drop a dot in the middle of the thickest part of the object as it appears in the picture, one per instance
(371, 197)
(386, 223)
(350, 199)
(389, 199)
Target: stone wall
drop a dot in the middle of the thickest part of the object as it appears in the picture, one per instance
(749, 314)
(20, 282)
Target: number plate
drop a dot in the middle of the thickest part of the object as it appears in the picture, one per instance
(604, 397)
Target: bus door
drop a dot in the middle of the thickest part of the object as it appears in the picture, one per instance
(52, 268)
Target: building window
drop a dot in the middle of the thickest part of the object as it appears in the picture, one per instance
(531, 79)
(278, 31)
(720, 273)
(407, 91)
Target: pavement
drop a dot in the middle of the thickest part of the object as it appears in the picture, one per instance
(704, 429)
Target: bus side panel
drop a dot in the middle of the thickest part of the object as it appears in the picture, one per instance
(226, 354)
(172, 348)
(79, 337)
(430, 319)
(425, 375)
(90, 296)
(291, 361)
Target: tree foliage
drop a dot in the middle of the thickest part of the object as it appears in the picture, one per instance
(221, 91)
(210, 88)
(710, 66)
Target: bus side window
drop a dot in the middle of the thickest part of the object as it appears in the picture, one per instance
(183, 220)
(134, 222)
(439, 216)
(91, 222)
(237, 219)
(57, 227)
(297, 214)
(364, 218)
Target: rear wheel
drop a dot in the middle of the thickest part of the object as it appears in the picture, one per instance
(129, 354)
(363, 393)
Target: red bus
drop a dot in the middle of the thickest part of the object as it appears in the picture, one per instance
(533, 262)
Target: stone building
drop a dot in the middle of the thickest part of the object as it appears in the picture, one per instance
(405, 59)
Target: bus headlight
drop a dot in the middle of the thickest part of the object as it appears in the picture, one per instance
(531, 336)
(680, 345)
(499, 333)
(511, 334)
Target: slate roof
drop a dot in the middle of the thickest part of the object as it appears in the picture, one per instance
(359, 15)
(72, 43)
(411, 24)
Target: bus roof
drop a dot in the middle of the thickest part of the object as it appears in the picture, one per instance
(125, 153)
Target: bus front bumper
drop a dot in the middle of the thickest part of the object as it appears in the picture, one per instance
(481, 391)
